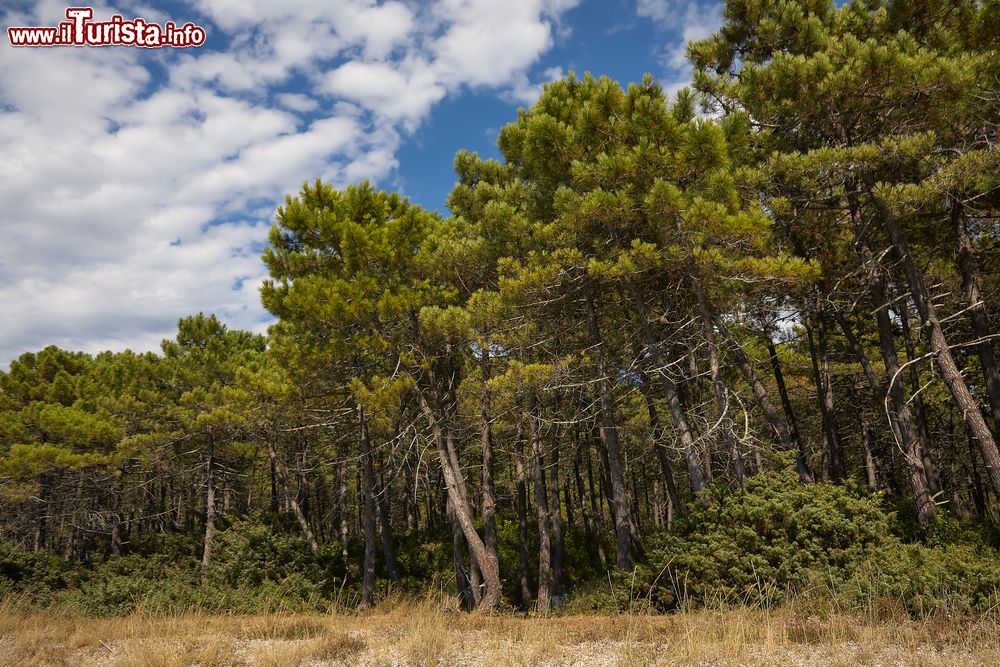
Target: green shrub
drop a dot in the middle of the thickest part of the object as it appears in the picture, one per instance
(781, 540)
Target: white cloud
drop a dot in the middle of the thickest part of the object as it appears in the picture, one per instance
(684, 21)
(137, 186)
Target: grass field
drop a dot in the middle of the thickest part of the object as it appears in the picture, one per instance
(427, 633)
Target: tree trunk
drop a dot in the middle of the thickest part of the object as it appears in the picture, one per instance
(279, 466)
(463, 586)
(463, 513)
(919, 411)
(718, 385)
(910, 441)
(623, 537)
(801, 460)
(871, 477)
(368, 511)
(931, 325)
(977, 311)
(598, 509)
(661, 451)
(556, 519)
(542, 511)
(692, 456)
(206, 554)
(388, 551)
(759, 390)
(488, 491)
(522, 528)
(342, 506)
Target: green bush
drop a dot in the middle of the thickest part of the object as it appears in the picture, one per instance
(35, 576)
(781, 540)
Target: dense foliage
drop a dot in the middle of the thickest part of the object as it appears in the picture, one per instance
(650, 357)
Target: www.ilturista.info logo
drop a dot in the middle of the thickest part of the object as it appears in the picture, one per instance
(79, 30)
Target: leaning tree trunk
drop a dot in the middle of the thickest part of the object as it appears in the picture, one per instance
(801, 461)
(282, 473)
(692, 456)
(909, 439)
(931, 325)
(977, 312)
(661, 452)
(455, 486)
(919, 410)
(718, 385)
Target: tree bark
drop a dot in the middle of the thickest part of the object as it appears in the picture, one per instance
(977, 311)
(542, 600)
(206, 554)
(718, 385)
(282, 473)
(558, 537)
(623, 536)
(801, 460)
(695, 470)
(661, 451)
(931, 325)
(910, 441)
(488, 491)
(522, 528)
(368, 504)
(388, 551)
(342, 506)
(463, 586)
(463, 513)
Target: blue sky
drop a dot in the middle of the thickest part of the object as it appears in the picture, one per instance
(137, 186)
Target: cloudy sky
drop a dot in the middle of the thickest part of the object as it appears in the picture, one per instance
(137, 185)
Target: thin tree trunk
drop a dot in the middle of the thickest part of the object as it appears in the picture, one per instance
(522, 528)
(588, 524)
(871, 476)
(759, 390)
(931, 325)
(837, 471)
(300, 516)
(206, 554)
(661, 450)
(388, 551)
(542, 511)
(459, 500)
(368, 518)
(977, 311)
(923, 500)
(556, 519)
(919, 411)
(801, 460)
(462, 585)
(598, 509)
(695, 470)
(342, 506)
(623, 536)
(718, 385)
(488, 491)
(116, 517)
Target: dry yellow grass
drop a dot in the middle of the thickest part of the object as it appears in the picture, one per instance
(429, 633)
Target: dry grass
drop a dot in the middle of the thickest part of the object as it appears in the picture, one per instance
(428, 632)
